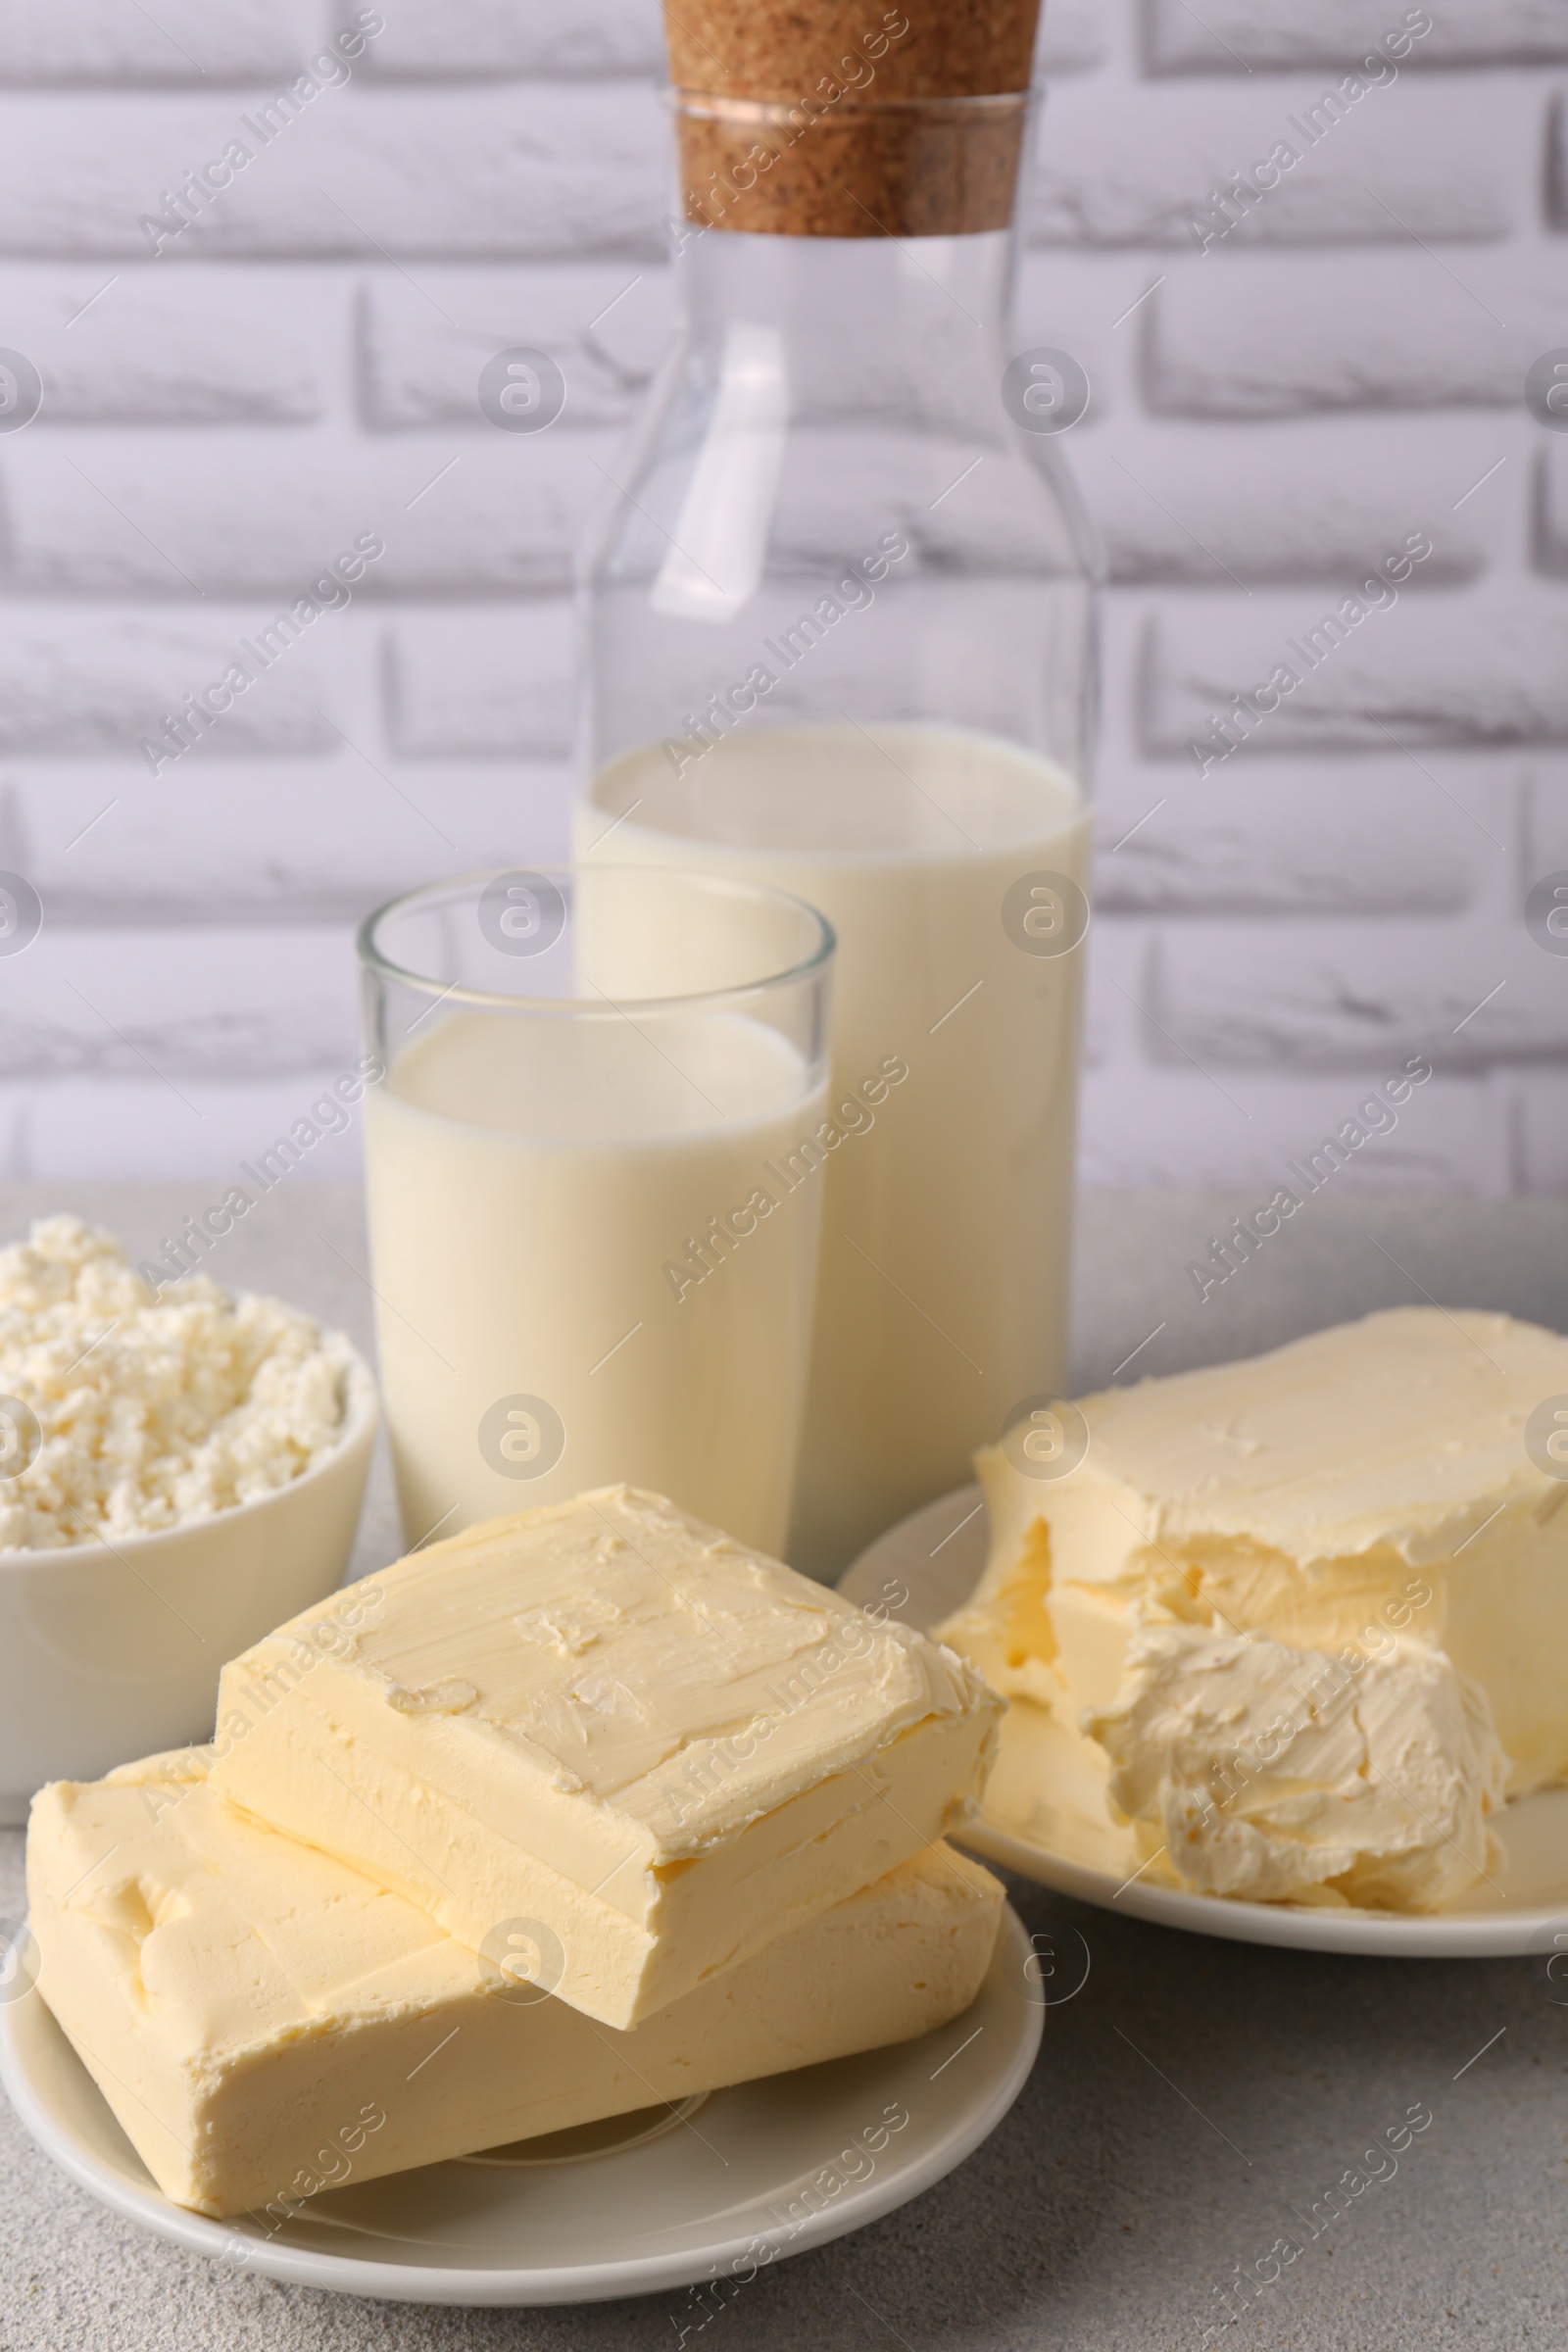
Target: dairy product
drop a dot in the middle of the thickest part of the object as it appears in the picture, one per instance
(530, 1182)
(1259, 1770)
(941, 1293)
(1366, 1495)
(141, 1413)
(608, 1719)
(266, 2023)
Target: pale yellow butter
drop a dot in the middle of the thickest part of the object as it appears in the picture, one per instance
(1257, 1773)
(1364, 1488)
(266, 2023)
(609, 1719)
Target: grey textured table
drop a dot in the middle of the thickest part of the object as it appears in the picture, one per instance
(1191, 2105)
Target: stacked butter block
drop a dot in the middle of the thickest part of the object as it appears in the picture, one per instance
(579, 1812)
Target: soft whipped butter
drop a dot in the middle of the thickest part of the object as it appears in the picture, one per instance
(1257, 1770)
(608, 1719)
(1357, 1491)
(266, 2024)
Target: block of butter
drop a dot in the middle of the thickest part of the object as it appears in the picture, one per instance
(266, 2023)
(1382, 1491)
(662, 1748)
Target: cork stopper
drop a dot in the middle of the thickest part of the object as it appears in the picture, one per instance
(837, 119)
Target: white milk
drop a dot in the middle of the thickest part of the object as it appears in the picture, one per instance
(942, 1293)
(525, 1259)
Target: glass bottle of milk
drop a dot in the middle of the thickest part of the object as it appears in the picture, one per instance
(840, 631)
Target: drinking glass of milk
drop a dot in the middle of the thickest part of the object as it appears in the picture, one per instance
(593, 1230)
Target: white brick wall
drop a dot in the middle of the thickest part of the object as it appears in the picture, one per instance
(1239, 34)
(528, 168)
(1287, 401)
(1128, 165)
(76, 43)
(256, 514)
(1270, 337)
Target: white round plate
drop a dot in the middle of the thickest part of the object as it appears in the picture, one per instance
(1046, 1817)
(715, 2190)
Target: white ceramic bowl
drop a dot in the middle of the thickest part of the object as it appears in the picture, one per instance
(112, 1651)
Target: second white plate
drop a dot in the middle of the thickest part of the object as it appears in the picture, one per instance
(1046, 1817)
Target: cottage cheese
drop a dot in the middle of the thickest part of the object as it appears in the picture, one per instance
(153, 1412)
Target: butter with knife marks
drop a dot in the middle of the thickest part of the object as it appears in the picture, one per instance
(609, 1718)
(266, 2024)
